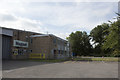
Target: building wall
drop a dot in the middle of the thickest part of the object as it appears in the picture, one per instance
(53, 47)
(6, 47)
(6, 42)
(23, 53)
(59, 48)
(41, 45)
(7, 32)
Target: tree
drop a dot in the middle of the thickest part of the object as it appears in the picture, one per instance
(107, 37)
(80, 43)
(97, 35)
(112, 40)
(99, 32)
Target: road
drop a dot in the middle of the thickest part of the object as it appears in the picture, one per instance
(67, 69)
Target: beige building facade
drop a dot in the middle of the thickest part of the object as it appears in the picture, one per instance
(53, 47)
(20, 44)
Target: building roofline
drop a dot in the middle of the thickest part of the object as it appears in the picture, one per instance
(48, 35)
(41, 35)
(18, 30)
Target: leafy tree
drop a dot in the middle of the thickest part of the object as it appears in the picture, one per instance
(98, 34)
(112, 40)
(80, 43)
(106, 38)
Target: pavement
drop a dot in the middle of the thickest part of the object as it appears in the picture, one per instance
(67, 69)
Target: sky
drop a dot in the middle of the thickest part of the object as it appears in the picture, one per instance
(56, 17)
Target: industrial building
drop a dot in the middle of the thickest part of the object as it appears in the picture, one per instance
(20, 44)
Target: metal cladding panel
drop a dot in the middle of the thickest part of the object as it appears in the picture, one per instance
(6, 47)
(7, 32)
(0, 30)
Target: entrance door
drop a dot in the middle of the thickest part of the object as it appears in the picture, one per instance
(55, 54)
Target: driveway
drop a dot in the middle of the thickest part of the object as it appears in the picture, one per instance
(67, 69)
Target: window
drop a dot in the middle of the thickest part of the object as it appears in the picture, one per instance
(30, 50)
(26, 38)
(59, 51)
(54, 41)
(31, 40)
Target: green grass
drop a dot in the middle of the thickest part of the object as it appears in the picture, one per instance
(96, 59)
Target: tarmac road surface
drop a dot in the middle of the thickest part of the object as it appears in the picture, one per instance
(67, 69)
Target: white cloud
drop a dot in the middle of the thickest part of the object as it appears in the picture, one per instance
(63, 0)
(12, 21)
(7, 17)
(28, 15)
(80, 17)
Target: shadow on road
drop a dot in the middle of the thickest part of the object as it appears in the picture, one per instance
(8, 64)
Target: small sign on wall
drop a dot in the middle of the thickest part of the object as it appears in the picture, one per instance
(15, 51)
(18, 43)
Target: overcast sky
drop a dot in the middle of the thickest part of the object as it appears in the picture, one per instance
(55, 17)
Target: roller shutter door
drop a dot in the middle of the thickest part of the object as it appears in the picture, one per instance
(6, 47)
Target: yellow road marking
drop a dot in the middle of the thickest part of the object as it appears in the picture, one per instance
(88, 62)
(73, 62)
(67, 62)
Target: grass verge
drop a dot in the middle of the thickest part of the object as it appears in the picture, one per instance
(96, 59)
